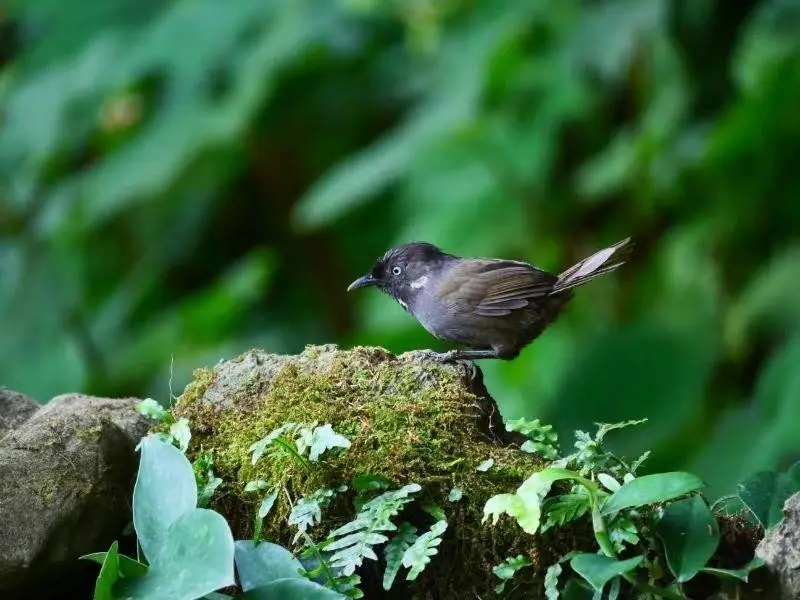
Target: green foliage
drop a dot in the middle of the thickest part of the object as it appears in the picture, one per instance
(318, 440)
(352, 542)
(598, 570)
(109, 573)
(178, 432)
(690, 534)
(305, 438)
(207, 481)
(394, 551)
(551, 576)
(308, 510)
(650, 489)
(485, 465)
(270, 494)
(765, 493)
(419, 554)
(150, 408)
(455, 494)
(268, 571)
(189, 550)
(506, 570)
(626, 517)
(543, 439)
(149, 183)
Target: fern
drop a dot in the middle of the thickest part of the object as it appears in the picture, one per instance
(315, 440)
(564, 508)
(551, 581)
(308, 510)
(417, 557)
(356, 538)
(506, 570)
(394, 551)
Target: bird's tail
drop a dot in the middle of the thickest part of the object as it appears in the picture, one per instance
(599, 263)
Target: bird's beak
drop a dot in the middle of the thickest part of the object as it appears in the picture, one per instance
(365, 281)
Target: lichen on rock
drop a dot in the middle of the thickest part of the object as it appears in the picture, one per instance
(408, 418)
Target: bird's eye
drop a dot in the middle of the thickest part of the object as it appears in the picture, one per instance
(396, 270)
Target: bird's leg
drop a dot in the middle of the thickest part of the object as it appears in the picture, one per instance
(453, 355)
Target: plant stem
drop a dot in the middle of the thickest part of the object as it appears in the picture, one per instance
(286, 444)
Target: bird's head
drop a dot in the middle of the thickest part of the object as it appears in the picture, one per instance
(403, 271)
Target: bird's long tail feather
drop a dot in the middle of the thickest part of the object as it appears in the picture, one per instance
(601, 262)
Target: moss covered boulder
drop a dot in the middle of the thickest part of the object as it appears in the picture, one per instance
(408, 418)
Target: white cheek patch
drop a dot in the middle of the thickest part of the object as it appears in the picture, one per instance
(419, 283)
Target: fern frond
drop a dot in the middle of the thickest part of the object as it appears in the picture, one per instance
(393, 553)
(417, 557)
(353, 542)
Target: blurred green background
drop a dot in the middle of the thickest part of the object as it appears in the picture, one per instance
(183, 180)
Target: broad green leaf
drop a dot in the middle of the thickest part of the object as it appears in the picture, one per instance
(128, 567)
(197, 559)
(526, 504)
(741, 574)
(765, 493)
(109, 573)
(598, 570)
(258, 565)
(291, 589)
(649, 489)
(363, 483)
(690, 534)
(511, 504)
(165, 490)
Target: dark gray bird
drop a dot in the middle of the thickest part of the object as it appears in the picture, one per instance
(494, 307)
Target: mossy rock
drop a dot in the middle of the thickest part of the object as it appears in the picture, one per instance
(408, 418)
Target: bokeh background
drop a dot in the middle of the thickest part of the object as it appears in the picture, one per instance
(183, 180)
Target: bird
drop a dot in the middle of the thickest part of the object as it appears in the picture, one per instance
(492, 307)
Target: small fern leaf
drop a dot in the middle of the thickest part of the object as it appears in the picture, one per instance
(393, 553)
(417, 557)
(352, 542)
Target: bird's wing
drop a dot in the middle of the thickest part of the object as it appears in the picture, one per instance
(494, 288)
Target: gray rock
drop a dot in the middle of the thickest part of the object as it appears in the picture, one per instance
(780, 548)
(66, 479)
(15, 409)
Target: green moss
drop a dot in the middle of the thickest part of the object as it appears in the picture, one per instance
(408, 420)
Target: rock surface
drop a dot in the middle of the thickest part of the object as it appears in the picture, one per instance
(66, 477)
(408, 418)
(780, 548)
(15, 409)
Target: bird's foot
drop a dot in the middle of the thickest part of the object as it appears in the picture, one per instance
(440, 357)
(451, 356)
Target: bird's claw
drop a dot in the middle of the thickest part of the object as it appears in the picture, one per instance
(439, 357)
(444, 357)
